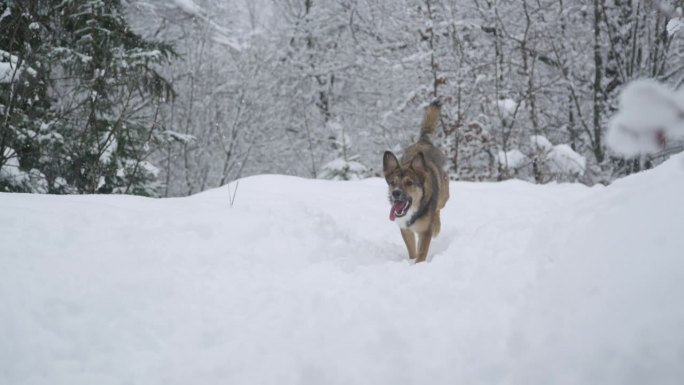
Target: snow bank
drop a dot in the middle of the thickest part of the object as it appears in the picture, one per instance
(607, 307)
(307, 282)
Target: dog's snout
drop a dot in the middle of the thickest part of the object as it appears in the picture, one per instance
(396, 194)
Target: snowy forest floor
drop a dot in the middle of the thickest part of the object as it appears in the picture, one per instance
(308, 282)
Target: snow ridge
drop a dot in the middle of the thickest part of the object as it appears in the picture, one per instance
(307, 282)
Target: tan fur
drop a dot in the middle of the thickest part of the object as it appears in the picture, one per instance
(430, 120)
(420, 175)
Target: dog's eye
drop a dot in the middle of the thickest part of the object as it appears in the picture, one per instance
(409, 183)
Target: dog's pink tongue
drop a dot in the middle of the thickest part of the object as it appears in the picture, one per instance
(396, 207)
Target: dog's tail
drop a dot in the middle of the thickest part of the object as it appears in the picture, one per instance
(430, 121)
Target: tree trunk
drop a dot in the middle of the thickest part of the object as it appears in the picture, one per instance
(598, 90)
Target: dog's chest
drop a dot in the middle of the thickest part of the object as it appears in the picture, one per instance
(403, 222)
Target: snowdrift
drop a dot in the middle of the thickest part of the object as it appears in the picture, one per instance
(307, 282)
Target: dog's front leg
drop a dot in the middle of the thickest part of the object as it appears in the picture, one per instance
(410, 241)
(424, 238)
(436, 225)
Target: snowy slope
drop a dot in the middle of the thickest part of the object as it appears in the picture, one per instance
(307, 282)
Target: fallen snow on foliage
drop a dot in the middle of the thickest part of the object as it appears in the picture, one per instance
(507, 106)
(307, 282)
(5, 13)
(8, 68)
(540, 143)
(10, 170)
(6, 72)
(189, 7)
(674, 25)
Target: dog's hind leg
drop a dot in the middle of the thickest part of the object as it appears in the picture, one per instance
(410, 241)
(443, 193)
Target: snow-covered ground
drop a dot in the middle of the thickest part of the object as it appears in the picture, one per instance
(307, 282)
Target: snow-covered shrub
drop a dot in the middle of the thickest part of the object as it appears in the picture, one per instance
(340, 169)
(546, 160)
(512, 160)
(649, 115)
(344, 167)
(562, 159)
(558, 159)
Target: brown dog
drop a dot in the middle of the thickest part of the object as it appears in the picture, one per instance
(418, 188)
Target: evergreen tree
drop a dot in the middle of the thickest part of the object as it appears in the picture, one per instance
(99, 94)
(24, 104)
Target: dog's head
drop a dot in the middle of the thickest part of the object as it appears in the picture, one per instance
(405, 183)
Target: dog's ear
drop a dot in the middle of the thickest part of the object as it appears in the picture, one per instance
(389, 163)
(418, 163)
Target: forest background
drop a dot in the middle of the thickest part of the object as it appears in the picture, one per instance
(169, 98)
